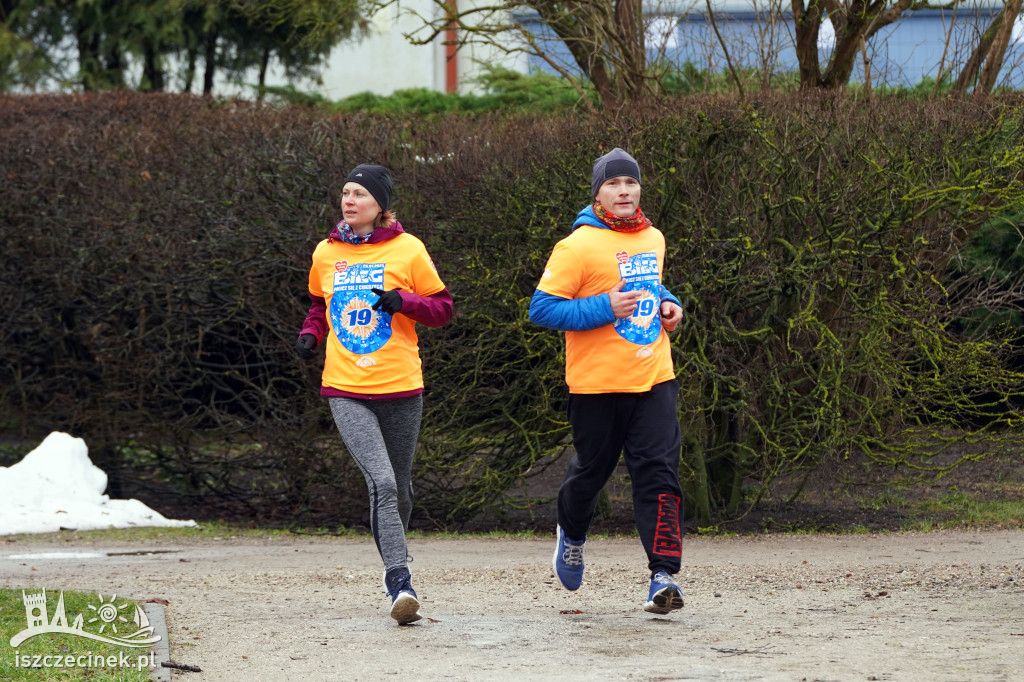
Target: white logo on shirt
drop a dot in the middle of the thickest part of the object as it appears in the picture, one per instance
(645, 352)
(366, 361)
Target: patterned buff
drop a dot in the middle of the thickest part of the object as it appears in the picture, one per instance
(350, 237)
(636, 222)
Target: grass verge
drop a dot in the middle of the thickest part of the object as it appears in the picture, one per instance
(207, 530)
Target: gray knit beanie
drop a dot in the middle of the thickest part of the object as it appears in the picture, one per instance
(612, 165)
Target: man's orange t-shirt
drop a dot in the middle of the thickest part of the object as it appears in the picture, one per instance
(632, 354)
(369, 351)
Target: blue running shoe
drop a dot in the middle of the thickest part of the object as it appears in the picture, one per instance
(568, 560)
(405, 606)
(665, 594)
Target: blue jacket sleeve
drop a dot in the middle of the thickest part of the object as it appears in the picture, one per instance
(666, 295)
(570, 314)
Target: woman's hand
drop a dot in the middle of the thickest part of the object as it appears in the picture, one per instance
(389, 301)
(305, 346)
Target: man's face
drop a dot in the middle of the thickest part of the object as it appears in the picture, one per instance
(620, 196)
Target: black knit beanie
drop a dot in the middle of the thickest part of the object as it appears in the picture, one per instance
(376, 180)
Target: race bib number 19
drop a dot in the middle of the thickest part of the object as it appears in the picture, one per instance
(640, 273)
(359, 328)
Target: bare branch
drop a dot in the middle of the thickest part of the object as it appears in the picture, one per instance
(725, 49)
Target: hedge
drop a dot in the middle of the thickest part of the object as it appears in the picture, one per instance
(156, 250)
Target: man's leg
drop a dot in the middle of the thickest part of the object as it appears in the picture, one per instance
(598, 431)
(652, 450)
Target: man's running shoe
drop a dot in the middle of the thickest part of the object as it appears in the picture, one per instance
(665, 594)
(568, 560)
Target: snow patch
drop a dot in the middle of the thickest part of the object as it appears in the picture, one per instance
(57, 486)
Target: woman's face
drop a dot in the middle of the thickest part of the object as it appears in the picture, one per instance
(620, 196)
(359, 207)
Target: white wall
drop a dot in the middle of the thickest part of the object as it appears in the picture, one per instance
(386, 61)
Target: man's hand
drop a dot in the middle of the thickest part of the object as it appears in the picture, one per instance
(623, 303)
(671, 315)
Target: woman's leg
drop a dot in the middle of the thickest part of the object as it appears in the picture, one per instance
(361, 432)
(399, 421)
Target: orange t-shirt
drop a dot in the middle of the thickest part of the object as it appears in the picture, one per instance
(370, 351)
(632, 354)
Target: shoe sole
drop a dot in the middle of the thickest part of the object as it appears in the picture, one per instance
(665, 600)
(405, 609)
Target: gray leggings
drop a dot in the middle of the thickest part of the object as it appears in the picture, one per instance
(381, 436)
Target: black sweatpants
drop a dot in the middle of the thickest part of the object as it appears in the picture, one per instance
(645, 427)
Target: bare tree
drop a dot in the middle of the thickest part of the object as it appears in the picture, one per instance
(943, 71)
(807, 18)
(725, 49)
(605, 38)
(990, 51)
(854, 21)
(769, 26)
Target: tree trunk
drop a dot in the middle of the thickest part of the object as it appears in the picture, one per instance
(854, 26)
(210, 65)
(630, 34)
(606, 42)
(88, 58)
(114, 63)
(698, 489)
(970, 71)
(578, 35)
(190, 70)
(152, 74)
(808, 22)
(996, 55)
(264, 63)
(849, 33)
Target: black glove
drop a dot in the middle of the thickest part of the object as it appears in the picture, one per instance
(305, 346)
(389, 301)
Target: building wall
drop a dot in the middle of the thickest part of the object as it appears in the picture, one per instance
(386, 61)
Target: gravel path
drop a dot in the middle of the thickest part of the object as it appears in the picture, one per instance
(930, 607)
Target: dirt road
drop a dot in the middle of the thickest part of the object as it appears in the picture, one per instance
(937, 606)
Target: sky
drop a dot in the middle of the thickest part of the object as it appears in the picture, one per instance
(56, 486)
